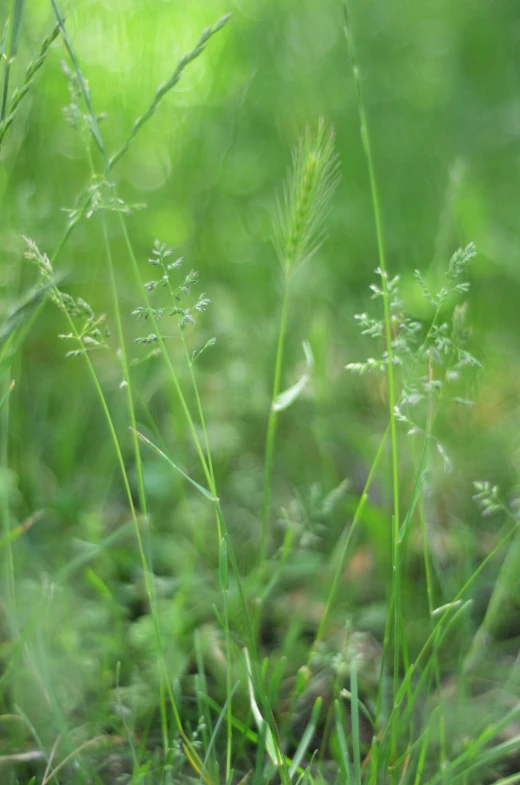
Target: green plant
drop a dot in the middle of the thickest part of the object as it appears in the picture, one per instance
(299, 233)
(354, 643)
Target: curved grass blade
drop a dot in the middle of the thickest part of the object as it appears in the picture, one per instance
(2, 404)
(269, 738)
(260, 755)
(222, 716)
(307, 737)
(342, 741)
(195, 484)
(284, 399)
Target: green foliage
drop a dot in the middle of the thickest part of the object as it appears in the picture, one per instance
(190, 620)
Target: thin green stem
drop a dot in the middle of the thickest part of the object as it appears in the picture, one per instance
(167, 358)
(6, 507)
(8, 56)
(122, 346)
(195, 386)
(189, 747)
(427, 562)
(196, 393)
(126, 373)
(229, 712)
(347, 540)
(272, 426)
(365, 137)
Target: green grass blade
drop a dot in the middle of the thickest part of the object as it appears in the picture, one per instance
(342, 741)
(18, 6)
(163, 455)
(272, 749)
(223, 566)
(354, 708)
(284, 399)
(221, 718)
(419, 481)
(258, 778)
(422, 756)
(307, 737)
(4, 400)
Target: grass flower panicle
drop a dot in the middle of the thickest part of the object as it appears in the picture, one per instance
(177, 293)
(93, 333)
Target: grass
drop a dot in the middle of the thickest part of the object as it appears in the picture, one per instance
(205, 580)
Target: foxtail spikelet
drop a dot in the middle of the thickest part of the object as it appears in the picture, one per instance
(306, 197)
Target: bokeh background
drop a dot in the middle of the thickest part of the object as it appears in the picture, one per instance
(442, 86)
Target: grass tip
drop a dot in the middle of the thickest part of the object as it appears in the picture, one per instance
(221, 22)
(446, 607)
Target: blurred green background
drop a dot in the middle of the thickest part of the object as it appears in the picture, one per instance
(442, 85)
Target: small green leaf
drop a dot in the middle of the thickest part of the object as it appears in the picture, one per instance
(269, 738)
(196, 354)
(195, 484)
(287, 397)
